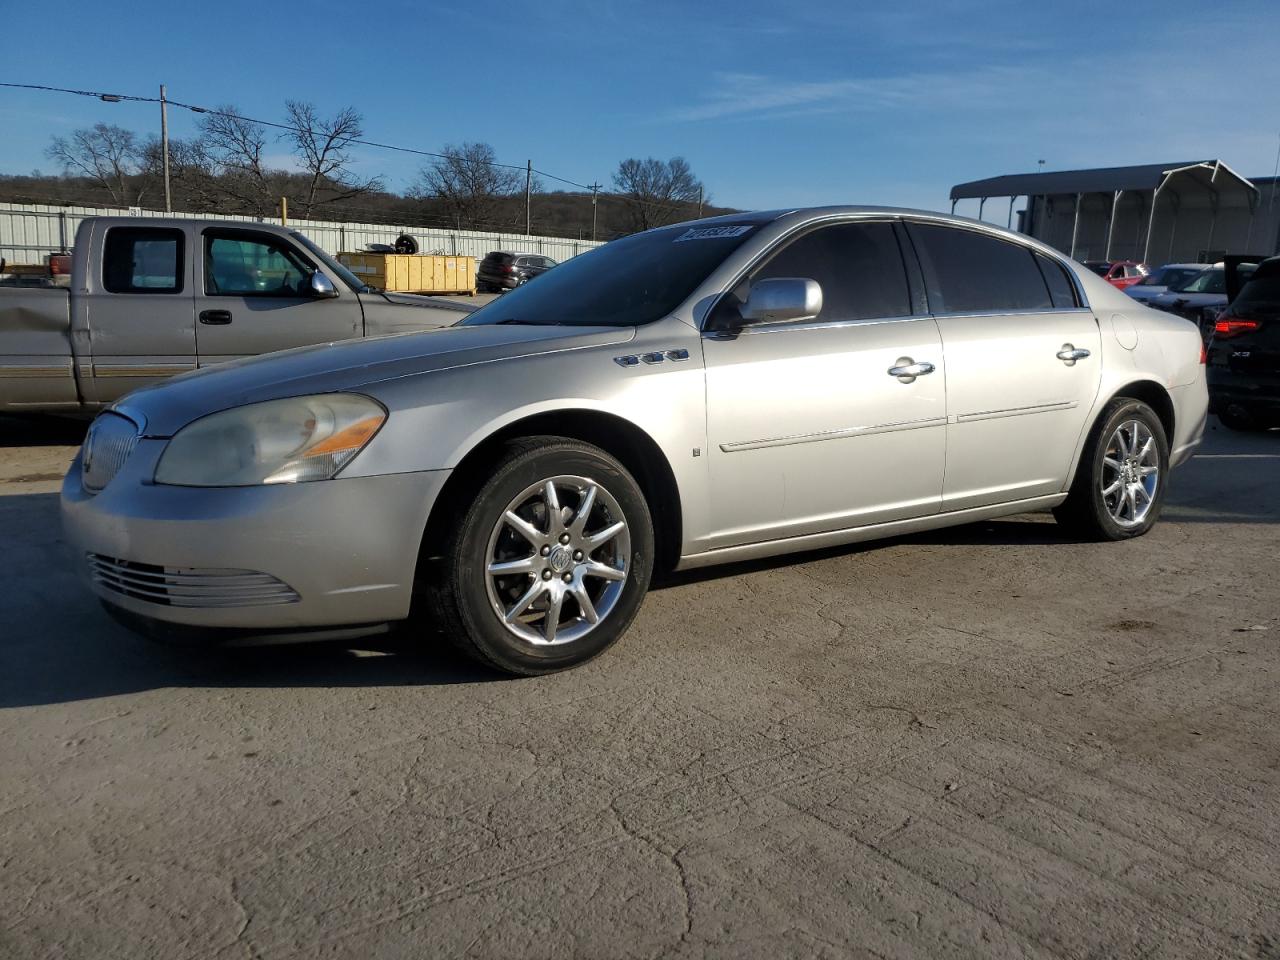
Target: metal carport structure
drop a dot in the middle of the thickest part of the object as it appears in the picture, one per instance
(1193, 210)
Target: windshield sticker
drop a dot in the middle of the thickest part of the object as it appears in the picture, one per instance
(711, 233)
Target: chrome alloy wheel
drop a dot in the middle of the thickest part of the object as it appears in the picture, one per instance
(558, 560)
(1130, 473)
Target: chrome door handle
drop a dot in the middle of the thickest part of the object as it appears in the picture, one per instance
(907, 369)
(1070, 353)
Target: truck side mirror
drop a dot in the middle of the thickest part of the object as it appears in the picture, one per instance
(322, 287)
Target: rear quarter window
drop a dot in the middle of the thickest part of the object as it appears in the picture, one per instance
(142, 260)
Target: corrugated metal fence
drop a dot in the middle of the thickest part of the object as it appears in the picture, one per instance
(30, 231)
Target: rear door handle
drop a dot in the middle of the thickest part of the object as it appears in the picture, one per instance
(1069, 354)
(907, 369)
(215, 318)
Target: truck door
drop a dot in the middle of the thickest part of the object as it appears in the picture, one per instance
(255, 297)
(138, 311)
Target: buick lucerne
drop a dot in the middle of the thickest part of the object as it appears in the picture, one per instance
(700, 393)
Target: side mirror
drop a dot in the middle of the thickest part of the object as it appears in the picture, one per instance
(782, 300)
(322, 287)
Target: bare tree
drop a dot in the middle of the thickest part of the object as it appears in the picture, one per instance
(234, 148)
(655, 190)
(470, 183)
(109, 155)
(322, 146)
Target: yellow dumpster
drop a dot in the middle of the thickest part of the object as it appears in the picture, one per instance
(418, 273)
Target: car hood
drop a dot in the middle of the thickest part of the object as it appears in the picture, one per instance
(165, 408)
(419, 300)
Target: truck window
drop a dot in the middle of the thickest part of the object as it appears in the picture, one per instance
(246, 265)
(142, 260)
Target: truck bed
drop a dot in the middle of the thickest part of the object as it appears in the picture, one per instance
(36, 366)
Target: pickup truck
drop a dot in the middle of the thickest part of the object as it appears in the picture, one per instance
(153, 298)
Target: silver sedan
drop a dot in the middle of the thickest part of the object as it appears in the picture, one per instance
(700, 393)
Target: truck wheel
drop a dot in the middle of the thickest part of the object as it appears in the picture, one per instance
(548, 565)
(406, 244)
(1120, 483)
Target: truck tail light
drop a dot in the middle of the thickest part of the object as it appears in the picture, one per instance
(59, 264)
(1228, 326)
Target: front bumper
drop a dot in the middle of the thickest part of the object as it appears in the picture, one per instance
(286, 558)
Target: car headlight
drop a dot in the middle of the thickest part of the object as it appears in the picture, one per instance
(279, 441)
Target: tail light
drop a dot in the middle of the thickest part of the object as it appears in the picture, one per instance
(1204, 352)
(508, 268)
(59, 264)
(1228, 326)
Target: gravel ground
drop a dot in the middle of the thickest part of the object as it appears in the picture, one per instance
(986, 741)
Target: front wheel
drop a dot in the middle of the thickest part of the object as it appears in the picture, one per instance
(1120, 483)
(549, 564)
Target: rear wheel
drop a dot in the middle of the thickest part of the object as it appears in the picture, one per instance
(549, 564)
(1120, 483)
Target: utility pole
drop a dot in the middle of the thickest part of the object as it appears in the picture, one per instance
(528, 198)
(595, 196)
(164, 148)
(699, 201)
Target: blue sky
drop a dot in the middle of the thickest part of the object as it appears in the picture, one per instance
(773, 104)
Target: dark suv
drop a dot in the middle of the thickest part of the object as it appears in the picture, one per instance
(1244, 354)
(505, 270)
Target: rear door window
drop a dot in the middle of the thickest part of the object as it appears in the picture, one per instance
(970, 272)
(142, 260)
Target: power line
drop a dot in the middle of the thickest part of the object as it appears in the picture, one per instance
(526, 168)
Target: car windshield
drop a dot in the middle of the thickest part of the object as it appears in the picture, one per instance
(1169, 276)
(625, 283)
(1099, 268)
(344, 274)
(1206, 281)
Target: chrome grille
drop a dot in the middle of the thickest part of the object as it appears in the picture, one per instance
(188, 586)
(106, 448)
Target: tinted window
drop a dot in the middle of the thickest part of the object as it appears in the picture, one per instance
(1208, 281)
(858, 266)
(970, 272)
(1062, 292)
(142, 260)
(632, 281)
(241, 265)
(1260, 297)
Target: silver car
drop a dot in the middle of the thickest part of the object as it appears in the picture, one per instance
(701, 393)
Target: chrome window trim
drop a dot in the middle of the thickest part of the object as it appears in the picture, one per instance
(759, 328)
(1011, 313)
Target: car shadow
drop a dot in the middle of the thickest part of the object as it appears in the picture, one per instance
(57, 645)
(41, 430)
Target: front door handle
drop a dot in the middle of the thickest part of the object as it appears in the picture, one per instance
(906, 369)
(215, 318)
(1070, 353)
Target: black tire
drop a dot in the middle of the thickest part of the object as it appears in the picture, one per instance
(1085, 512)
(456, 590)
(406, 244)
(1235, 417)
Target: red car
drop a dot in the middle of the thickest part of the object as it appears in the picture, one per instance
(1118, 273)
